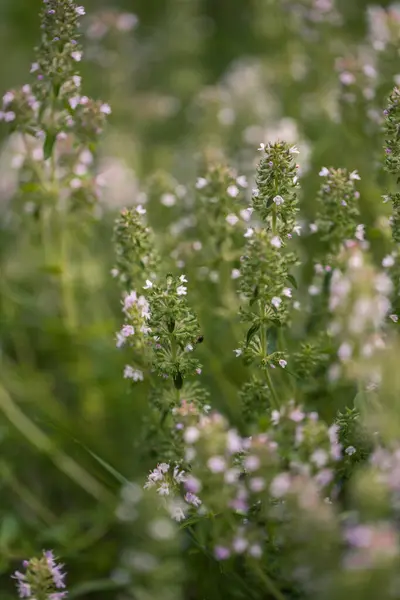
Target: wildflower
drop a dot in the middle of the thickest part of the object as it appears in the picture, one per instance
(276, 301)
(257, 484)
(77, 55)
(148, 285)
(201, 183)
(168, 200)
(238, 352)
(294, 150)
(261, 147)
(232, 219)
(350, 450)
(282, 363)
(324, 172)
(388, 261)
(235, 274)
(276, 242)
(191, 435)
(216, 464)
(192, 499)
(249, 232)
(134, 374)
(245, 213)
(80, 11)
(278, 200)
(140, 210)
(296, 415)
(182, 279)
(255, 551)
(221, 553)
(242, 181)
(287, 292)
(252, 463)
(280, 485)
(233, 191)
(181, 290)
(354, 176)
(127, 330)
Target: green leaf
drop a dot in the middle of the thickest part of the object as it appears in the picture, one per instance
(251, 332)
(293, 281)
(116, 474)
(49, 144)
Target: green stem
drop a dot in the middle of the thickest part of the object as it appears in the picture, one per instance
(267, 581)
(264, 350)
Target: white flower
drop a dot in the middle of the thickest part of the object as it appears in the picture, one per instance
(80, 11)
(319, 457)
(354, 175)
(238, 352)
(276, 242)
(287, 292)
(246, 213)
(163, 490)
(114, 273)
(294, 150)
(282, 363)
(242, 181)
(105, 109)
(163, 467)
(201, 183)
(35, 67)
(76, 55)
(394, 318)
(255, 192)
(324, 172)
(148, 285)
(350, 450)
(168, 200)
(191, 435)
(181, 290)
(278, 200)
(249, 232)
(140, 210)
(134, 374)
(77, 79)
(313, 227)
(8, 116)
(234, 442)
(388, 261)
(275, 417)
(189, 348)
(261, 147)
(232, 219)
(235, 273)
(360, 232)
(182, 279)
(313, 290)
(75, 183)
(276, 301)
(297, 229)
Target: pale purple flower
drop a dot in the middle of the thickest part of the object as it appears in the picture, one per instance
(242, 181)
(280, 485)
(232, 191)
(276, 242)
(232, 219)
(181, 290)
(221, 552)
(297, 415)
(324, 172)
(216, 464)
(252, 463)
(192, 499)
(249, 232)
(201, 183)
(278, 200)
(191, 435)
(282, 363)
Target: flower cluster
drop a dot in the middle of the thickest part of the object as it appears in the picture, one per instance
(136, 256)
(338, 215)
(359, 302)
(42, 579)
(175, 330)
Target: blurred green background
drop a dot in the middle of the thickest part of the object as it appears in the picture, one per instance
(194, 81)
